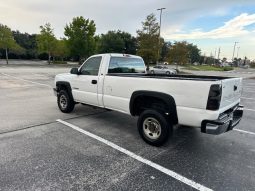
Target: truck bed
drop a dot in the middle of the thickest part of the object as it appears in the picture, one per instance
(179, 77)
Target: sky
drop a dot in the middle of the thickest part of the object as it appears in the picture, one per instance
(209, 24)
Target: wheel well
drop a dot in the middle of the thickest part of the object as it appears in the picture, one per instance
(147, 102)
(61, 87)
(64, 86)
(157, 101)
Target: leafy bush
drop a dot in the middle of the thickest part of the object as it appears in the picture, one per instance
(227, 68)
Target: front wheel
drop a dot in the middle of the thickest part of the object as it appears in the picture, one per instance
(65, 102)
(154, 128)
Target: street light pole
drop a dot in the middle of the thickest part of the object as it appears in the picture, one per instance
(160, 9)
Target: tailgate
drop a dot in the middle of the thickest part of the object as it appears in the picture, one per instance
(231, 91)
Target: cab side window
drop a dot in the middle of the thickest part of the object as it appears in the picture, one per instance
(91, 66)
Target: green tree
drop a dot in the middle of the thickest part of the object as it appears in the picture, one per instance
(147, 37)
(27, 42)
(184, 52)
(46, 40)
(193, 53)
(129, 41)
(61, 51)
(7, 41)
(80, 35)
(117, 41)
(111, 42)
(178, 53)
(165, 50)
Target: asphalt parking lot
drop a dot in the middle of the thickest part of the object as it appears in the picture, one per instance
(94, 149)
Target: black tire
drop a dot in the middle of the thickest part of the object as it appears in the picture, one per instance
(166, 128)
(168, 73)
(69, 104)
(152, 72)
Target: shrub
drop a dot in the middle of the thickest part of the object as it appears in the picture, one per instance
(227, 68)
(59, 62)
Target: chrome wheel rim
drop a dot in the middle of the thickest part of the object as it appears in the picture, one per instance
(151, 128)
(63, 101)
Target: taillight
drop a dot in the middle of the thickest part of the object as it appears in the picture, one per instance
(213, 102)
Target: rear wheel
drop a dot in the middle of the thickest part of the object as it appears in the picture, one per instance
(168, 73)
(154, 128)
(152, 72)
(65, 102)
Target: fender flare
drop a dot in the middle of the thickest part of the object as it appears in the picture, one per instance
(67, 86)
(166, 98)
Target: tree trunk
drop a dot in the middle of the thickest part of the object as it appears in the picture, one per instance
(6, 56)
(49, 58)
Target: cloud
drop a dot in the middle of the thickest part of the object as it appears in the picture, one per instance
(28, 15)
(232, 28)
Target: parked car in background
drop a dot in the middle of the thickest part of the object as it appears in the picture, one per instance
(162, 70)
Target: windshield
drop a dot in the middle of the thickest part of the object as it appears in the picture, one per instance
(126, 65)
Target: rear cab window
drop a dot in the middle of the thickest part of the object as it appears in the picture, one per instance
(126, 65)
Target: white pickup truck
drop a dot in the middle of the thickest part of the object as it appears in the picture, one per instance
(119, 82)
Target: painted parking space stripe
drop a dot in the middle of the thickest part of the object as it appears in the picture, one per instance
(248, 109)
(160, 168)
(26, 80)
(248, 91)
(248, 98)
(242, 131)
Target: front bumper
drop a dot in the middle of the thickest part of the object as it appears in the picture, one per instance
(226, 121)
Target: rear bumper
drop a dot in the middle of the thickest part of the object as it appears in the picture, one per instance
(226, 122)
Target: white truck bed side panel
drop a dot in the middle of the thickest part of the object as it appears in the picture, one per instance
(187, 94)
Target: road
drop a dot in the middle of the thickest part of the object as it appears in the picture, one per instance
(94, 149)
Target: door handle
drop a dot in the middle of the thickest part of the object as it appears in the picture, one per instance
(94, 81)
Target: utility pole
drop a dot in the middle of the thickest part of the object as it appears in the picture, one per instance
(234, 52)
(214, 60)
(237, 51)
(160, 9)
(238, 63)
(219, 53)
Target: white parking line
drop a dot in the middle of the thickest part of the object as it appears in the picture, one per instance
(248, 109)
(242, 131)
(139, 158)
(249, 88)
(27, 80)
(245, 91)
(247, 98)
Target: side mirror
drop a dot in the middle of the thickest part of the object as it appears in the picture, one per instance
(74, 71)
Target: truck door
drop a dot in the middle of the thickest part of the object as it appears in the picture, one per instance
(84, 85)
